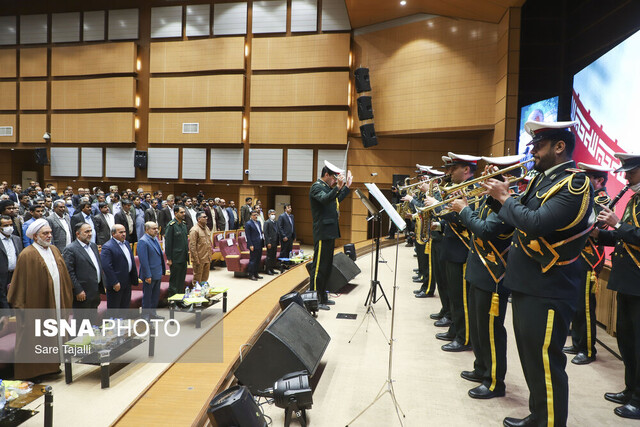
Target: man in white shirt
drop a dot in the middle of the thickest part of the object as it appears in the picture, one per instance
(190, 211)
(222, 204)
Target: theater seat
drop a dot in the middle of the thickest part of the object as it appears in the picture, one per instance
(233, 258)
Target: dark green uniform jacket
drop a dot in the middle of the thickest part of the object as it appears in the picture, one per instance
(324, 209)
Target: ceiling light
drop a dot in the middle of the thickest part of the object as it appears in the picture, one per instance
(403, 2)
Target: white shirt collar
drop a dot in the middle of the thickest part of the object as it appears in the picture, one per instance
(556, 167)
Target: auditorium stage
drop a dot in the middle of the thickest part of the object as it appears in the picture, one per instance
(427, 382)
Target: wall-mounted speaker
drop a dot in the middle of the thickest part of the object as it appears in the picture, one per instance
(362, 80)
(369, 138)
(41, 156)
(140, 159)
(365, 109)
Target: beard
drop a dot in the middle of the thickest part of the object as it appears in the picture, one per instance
(545, 162)
(42, 242)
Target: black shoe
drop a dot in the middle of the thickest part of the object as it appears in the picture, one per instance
(276, 271)
(259, 276)
(330, 302)
(422, 294)
(628, 411)
(570, 350)
(416, 277)
(420, 279)
(471, 376)
(455, 346)
(483, 392)
(621, 398)
(254, 278)
(416, 270)
(582, 359)
(435, 316)
(323, 307)
(417, 291)
(270, 273)
(442, 323)
(390, 237)
(157, 316)
(519, 422)
(444, 336)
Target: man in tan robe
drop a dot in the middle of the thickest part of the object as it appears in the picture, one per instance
(40, 281)
(200, 248)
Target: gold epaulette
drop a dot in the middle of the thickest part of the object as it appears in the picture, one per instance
(602, 198)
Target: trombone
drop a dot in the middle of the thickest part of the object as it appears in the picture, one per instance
(436, 179)
(462, 190)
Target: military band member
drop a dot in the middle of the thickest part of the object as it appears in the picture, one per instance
(486, 267)
(625, 279)
(583, 325)
(552, 219)
(456, 249)
(325, 196)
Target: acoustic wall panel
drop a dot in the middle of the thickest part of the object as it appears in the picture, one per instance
(269, 16)
(123, 24)
(33, 29)
(119, 163)
(304, 15)
(6, 121)
(224, 90)
(335, 16)
(93, 26)
(8, 63)
(194, 163)
(229, 18)
(299, 165)
(65, 27)
(265, 164)
(223, 53)
(91, 162)
(32, 127)
(308, 51)
(64, 161)
(110, 92)
(198, 20)
(33, 62)
(298, 127)
(166, 22)
(300, 89)
(214, 127)
(33, 95)
(87, 128)
(8, 30)
(103, 58)
(227, 164)
(335, 157)
(8, 98)
(163, 163)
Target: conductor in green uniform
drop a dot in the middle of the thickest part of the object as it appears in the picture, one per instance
(177, 248)
(325, 196)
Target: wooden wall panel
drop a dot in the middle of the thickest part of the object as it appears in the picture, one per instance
(282, 90)
(8, 63)
(32, 127)
(112, 92)
(224, 53)
(220, 127)
(226, 90)
(33, 95)
(312, 51)
(33, 62)
(107, 58)
(8, 97)
(298, 127)
(92, 128)
(431, 76)
(8, 120)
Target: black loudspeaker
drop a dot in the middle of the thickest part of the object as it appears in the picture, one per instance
(294, 341)
(291, 297)
(235, 407)
(350, 250)
(365, 109)
(362, 80)
(310, 299)
(41, 156)
(343, 271)
(140, 159)
(369, 138)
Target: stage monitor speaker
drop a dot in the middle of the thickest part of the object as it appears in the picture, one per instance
(41, 156)
(140, 159)
(362, 80)
(365, 109)
(235, 407)
(294, 341)
(343, 271)
(291, 297)
(350, 250)
(369, 138)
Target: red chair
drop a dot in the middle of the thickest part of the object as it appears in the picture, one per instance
(230, 234)
(215, 238)
(233, 259)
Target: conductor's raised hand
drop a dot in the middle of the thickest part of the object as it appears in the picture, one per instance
(349, 178)
(341, 180)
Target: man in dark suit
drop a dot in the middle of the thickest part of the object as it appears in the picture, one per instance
(103, 230)
(552, 219)
(287, 230)
(152, 267)
(331, 188)
(166, 215)
(119, 271)
(233, 215)
(151, 214)
(8, 207)
(60, 224)
(127, 218)
(271, 238)
(220, 221)
(83, 214)
(245, 210)
(85, 269)
(10, 248)
(253, 234)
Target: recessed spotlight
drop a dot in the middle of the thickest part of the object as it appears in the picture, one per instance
(403, 2)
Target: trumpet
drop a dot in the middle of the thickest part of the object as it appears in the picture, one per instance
(437, 180)
(449, 194)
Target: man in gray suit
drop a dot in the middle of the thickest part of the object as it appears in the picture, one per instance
(85, 269)
(151, 214)
(103, 229)
(10, 248)
(60, 224)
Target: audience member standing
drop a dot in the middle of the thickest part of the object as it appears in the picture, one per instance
(36, 213)
(83, 215)
(119, 271)
(10, 248)
(287, 231)
(177, 250)
(253, 234)
(60, 224)
(166, 215)
(245, 211)
(271, 237)
(200, 248)
(152, 267)
(126, 217)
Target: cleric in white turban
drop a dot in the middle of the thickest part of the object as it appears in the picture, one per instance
(40, 281)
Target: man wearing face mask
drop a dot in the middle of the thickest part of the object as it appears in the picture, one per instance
(271, 237)
(10, 248)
